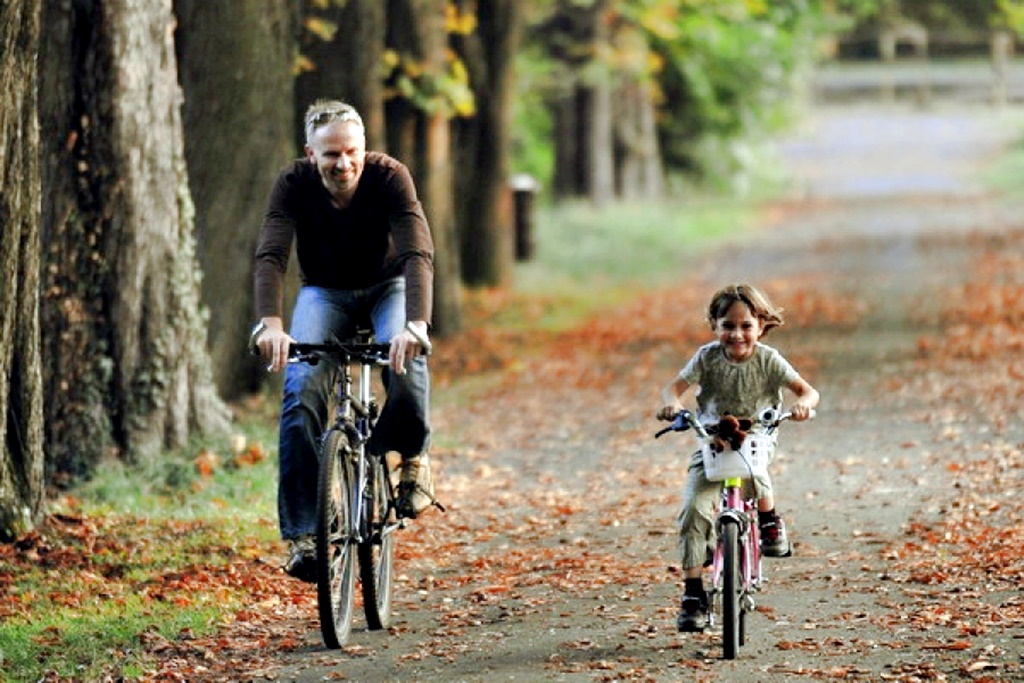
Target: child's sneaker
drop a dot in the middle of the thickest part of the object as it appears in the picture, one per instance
(774, 542)
(693, 614)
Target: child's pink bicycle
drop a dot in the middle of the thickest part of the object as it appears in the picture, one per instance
(736, 572)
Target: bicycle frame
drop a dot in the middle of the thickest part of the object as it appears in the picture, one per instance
(356, 415)
(355, 496)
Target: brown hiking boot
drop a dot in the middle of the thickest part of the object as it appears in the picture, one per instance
(415, 487)
(301, 561)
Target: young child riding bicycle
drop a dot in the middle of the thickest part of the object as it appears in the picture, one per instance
(738, 376)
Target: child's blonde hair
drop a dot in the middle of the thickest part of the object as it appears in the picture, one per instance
(759, 304)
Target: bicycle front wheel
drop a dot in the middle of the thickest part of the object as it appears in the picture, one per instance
(335, 549)
(730, 588)
(377, 549)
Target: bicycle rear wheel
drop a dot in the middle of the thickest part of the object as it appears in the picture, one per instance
(377, 549)
(731, 608)
(335, 551)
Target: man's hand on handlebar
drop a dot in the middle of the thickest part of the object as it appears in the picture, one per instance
(273, 343)
(408, 344)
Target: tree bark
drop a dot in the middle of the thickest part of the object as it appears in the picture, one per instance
(128, 372)
(236, 140)
(21, 385)
(485, 210)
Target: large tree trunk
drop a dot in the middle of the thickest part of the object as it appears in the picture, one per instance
(21, 386)
(484, 211)
(236, 140)
(423, 141)
(127, 367)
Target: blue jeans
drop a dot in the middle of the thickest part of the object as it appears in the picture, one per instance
(404, 425)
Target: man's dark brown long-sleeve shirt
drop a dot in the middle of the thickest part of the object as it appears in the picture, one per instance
(381, 234)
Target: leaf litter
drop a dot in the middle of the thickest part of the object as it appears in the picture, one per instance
(503, 553)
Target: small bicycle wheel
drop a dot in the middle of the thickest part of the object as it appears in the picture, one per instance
(335, 551)
(731, 608)
(377, 549)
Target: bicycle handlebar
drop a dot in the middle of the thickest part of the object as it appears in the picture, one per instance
(360, 352)
(684, 419)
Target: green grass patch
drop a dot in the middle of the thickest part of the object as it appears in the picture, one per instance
(233, 475)
(141, 553)
(80, 599)
(101, 643)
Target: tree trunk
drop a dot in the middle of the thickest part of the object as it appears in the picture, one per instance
(422, 140)
(637, 163)
(236, 140)
(583, 111)
(127, 368)
(348, 66)
(600, 141)
(435, 181)
(485, 211)
(21, 386)
(569, 178)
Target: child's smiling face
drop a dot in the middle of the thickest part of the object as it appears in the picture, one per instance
(738, 331)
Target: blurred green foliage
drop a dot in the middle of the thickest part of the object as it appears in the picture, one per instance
(722, 73)
(726, 73)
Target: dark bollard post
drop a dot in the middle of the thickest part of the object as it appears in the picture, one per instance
(524, 190)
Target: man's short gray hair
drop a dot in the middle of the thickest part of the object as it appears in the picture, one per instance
(323, 112)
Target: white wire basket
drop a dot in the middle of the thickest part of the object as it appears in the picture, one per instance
(750, 461)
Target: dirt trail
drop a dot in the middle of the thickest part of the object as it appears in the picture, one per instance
(573, 487)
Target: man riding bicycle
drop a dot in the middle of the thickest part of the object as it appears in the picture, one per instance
(365, 257)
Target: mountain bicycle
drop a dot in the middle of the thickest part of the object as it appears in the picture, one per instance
(736, 571)
(356, 497)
